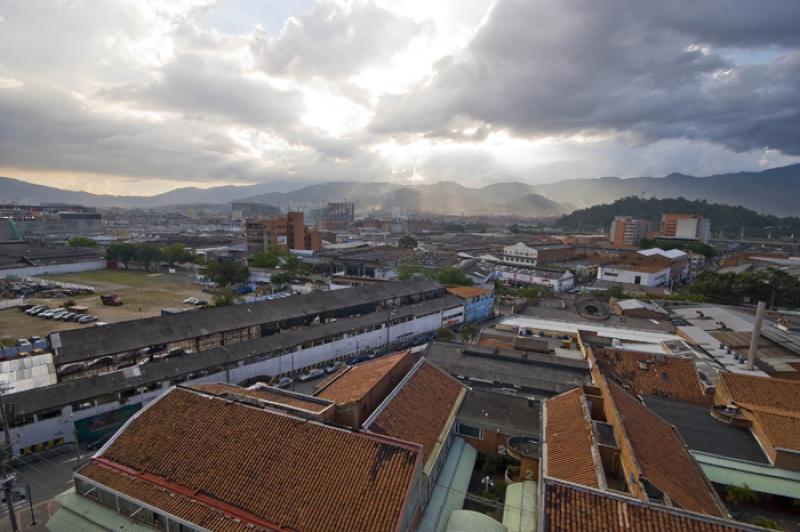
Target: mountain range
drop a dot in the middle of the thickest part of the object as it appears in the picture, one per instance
(773, 191)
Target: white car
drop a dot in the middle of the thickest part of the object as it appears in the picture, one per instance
(58, 314)
(191, 300)
(333, 367)
(86, 318)
(50, 313)
(311, 374)
(36, 310)
(284, 382)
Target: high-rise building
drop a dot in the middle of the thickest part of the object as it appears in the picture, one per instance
(685, 227)
(284, 233)
(628, 231)
(335, 216)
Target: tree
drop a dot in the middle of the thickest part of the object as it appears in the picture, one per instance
(295, 266)
(469, 332)
(270, 258)
(148, 254)
(739, 495)
(444, 334)
(226, 273)
(281, 279)
(81, 242)
(177, 253)
(408, 242)
(224, 297)
(121, 252)
(453, 276)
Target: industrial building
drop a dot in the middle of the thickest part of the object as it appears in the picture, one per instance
(107, 375)
(685, 227)
(521, 254)
(61, 219)
(647, 267)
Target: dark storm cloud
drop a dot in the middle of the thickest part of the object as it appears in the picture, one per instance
(582, 67)
(334, 42)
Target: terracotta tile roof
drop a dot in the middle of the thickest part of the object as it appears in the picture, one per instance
(662, 456)
(299, 474)
(468, 292)
(751, 391)
(569, 440)
(667, 376)
(178, 505)
(420, 410)
(358, 380)
(570, 507)
(263, 394)
(782, 430)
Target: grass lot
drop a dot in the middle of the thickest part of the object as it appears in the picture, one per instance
(144, 294)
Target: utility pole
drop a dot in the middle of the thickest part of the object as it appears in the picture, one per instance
(8, 475)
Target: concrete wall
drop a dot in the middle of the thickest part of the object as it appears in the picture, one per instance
(56, 269)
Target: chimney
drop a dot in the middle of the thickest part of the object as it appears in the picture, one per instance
(751, 354)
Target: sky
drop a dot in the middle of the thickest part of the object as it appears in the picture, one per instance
(143, 96)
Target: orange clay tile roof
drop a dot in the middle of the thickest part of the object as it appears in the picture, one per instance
(262, 393)
(298, 474)
(664, 460)
(570, 507)
(178, 505)
(358, 380)
(569, 440)
(672, 377)
(468, 292)
(751, 391)
(420, 410)
(781, 429)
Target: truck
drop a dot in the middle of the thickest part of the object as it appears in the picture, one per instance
(111, 300)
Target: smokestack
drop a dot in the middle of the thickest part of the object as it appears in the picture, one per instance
(751, 354)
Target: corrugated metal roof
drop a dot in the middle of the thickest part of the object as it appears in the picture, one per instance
(519, 513)
(761, 478)
(80, 513)
(472, 521)
(451, 486)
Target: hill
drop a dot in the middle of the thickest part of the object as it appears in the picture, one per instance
(772, 191)
(726, 220)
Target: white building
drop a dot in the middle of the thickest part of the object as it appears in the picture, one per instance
(650, 267)
(556, 281)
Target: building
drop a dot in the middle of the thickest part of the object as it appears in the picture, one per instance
(335, 216)
(524, 255)
(478, 302)
(627, 231)
(638, 308)
(106, 373)
(648, 268)
(199, 460)
(555, 280)
(63, 219)
(286, 233)
(685, 227)
(22, 258)
(604, 438)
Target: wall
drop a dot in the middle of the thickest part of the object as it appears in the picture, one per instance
(56, 269)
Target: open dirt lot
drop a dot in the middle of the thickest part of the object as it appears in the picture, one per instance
(144, 294)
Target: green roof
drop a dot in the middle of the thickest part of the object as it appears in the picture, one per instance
(519, 513)
(759, 477)
(79, 513)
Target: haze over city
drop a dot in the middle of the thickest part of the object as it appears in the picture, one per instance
(140, 97)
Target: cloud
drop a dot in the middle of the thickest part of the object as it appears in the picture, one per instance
(334, 42)
(565, 68)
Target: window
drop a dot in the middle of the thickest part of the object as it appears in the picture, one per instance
(466, 430)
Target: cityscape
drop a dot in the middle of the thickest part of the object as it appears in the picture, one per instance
(369, 266)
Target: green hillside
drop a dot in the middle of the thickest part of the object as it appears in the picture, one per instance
(726, 220)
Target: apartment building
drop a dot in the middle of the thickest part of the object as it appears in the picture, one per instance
(627, 231)
(288, 232)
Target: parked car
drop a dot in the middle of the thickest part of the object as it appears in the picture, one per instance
(330, 368)
(357, 360)
(57, 314)
(24, 346)
(87, 318)
(36, 309)
(112, 300)
(66, 316)
(38, 342)
(155, 349)
(47, 313)
(311, 374)
(200, 303)
(284, 382)
(190, 300)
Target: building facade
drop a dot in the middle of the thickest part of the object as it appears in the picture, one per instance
(524, 255)
(685, 227)
(282, 233)
(627, 231)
